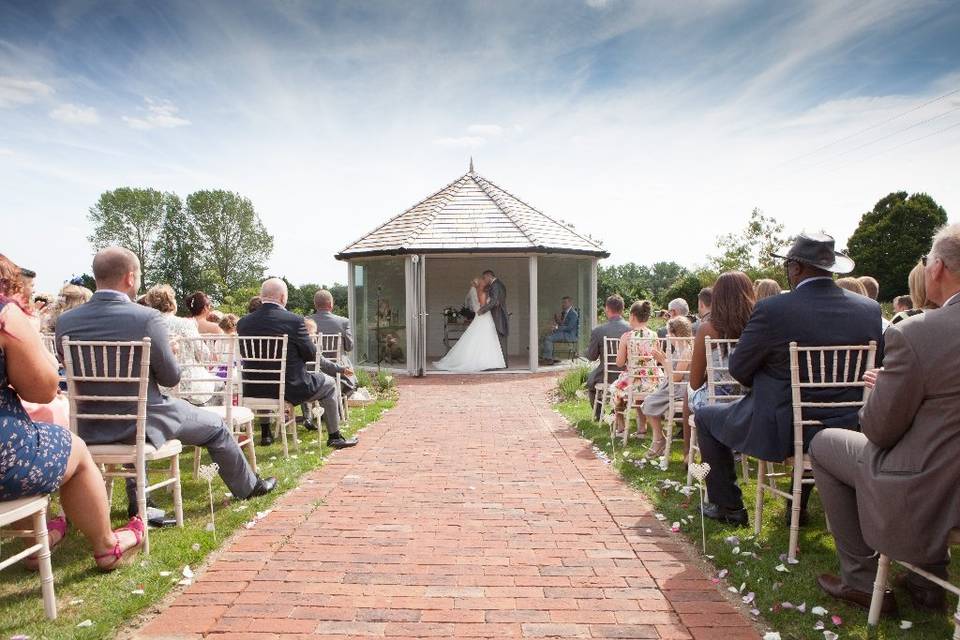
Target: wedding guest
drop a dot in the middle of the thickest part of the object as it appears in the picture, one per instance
(229, 324)
(272, 319)
(37, 458)
(853, 285)
(311, 326)
(640, 373)
(330, 323)
(704, 304)
(111, 315)
(676, 307)
(870, 286)
(903, 305)
(656, 405)
(71, 296)
(567, 329)
(816, 312)
(26, 295)
(766, 287)
(215, 317)
(199, 307)
(892, 487)
(918, 289)
(254, 304)
(614, 327)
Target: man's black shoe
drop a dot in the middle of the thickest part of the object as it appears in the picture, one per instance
(309, 426)
(339, 442)
(737, 517)
(931, 598)
(263, 487)
(266, 435)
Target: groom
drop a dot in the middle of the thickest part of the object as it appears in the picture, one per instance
(497, 305)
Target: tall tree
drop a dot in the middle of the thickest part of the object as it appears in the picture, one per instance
(130, 218)
(630, 280)
(662, 276)
(749, 250)
(235, 244)
(178, 251)
(892, 237)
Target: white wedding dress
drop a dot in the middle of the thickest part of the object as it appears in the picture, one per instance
(478, 349)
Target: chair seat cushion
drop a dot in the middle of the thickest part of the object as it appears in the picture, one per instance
(126, 452)
(239, 415)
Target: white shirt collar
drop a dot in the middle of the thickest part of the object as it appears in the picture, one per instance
(808, 280)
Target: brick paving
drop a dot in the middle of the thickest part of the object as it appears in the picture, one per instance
(471, 510)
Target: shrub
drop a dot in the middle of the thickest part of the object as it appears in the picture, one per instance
(572, 381)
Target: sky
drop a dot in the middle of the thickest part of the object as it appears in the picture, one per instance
(654, 126)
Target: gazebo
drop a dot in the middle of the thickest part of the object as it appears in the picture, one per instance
(408, 276)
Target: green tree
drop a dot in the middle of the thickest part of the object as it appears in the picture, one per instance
(630, 280)
(749, 250)
(178, 252)
(892, 237)
(688, 287)
(662, 276)
(130, 218)
(234, 244)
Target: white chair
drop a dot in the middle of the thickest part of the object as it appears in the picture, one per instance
(641, 369)
(329, 345)
(676, 386)
(50, 343)
(880, 585)
(263, 364)
(812, 368)
(608, 360)
(721, 388)
(34, 508)
(103, 376)
(211, 361)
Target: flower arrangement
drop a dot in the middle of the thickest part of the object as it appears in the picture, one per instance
(452, 315)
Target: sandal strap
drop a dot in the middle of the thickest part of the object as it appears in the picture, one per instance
(115, 552)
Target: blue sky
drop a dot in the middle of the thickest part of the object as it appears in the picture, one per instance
(654, 126)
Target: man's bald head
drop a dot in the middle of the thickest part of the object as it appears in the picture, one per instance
(118, 269)
(274, 290)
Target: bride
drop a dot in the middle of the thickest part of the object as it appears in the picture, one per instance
(478, 348)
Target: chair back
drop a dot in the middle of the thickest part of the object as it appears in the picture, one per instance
(679, 354)
(50, 343)
(263, 367)
(836, 370)
(207, 367)
(107, 381)
(329, 346)
(644, 371)
(610, 348)
(721, 387)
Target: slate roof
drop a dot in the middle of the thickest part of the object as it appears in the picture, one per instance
(472, 215)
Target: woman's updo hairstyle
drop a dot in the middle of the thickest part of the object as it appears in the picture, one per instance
(641, 310)
(196, 303)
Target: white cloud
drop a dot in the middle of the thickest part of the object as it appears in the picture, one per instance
(6, 152)
(485, 130)
(160, 114)
(461, 141)
(597, 4)
(75, 114)
(16, 92)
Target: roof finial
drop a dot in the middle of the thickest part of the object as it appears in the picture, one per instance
(471, 165)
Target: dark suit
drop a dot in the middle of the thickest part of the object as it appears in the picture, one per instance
(612, 328)
(112, 316)
(497, 306)
(817, 313)
(300, 385)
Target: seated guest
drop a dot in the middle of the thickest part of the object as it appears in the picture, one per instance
(871, 286)
(614, 327)
(892, 488)
(903, 306)
(28, 277)
(253, 304)
(37, 458)
(199, 308)
(329, 323)
(676, 307)
(71, 296)
(656, 405)
(228, 324)
(704, 304)
(918, 289)
(853, 285)
(215, 317)
(272, 319)
(766, 287)
(816, 312)
(640, 373)
(111, 315)
(567, 329)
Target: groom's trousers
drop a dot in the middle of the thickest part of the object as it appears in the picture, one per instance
(503, 348)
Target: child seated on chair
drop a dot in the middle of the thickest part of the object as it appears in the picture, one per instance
(657, 404)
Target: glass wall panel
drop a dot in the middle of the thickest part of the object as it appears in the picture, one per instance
(560, 276)
(381, 311)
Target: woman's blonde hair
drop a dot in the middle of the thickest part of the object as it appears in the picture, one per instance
(918, 289)
(680, 327)
(228, 324)
(162, 298)
(766, 288)
(852, 284)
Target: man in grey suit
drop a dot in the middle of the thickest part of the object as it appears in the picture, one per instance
(111, 315)
(497, 305)
(330, 323)
(614, 327)
(892, 488)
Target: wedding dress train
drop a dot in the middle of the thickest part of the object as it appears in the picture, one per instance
(477, 349)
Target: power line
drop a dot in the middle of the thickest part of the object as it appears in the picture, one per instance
(903, 144)
(870, 128)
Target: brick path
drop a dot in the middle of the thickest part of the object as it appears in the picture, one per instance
(471, 510)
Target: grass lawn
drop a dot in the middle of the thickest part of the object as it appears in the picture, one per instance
(754, 568)
(111, 600)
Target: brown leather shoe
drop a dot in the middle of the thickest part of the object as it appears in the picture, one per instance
(833, 586)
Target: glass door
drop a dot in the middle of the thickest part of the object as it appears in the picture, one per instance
(417, 321)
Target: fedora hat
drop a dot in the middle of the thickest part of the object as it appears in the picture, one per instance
(817, 250)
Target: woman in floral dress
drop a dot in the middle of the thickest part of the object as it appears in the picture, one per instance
(642, 374)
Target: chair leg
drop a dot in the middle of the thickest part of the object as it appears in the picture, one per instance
(251, 447)
(177, 488)
(283, 434)
(879, 587)
(795, 512)
(744, 466)
(142, 505)
(668, 426)
(758, 505)
(108, 481)
(196, 462)
(46, 569)
(692, 453)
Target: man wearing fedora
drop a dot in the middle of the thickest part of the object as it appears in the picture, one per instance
(815, 313)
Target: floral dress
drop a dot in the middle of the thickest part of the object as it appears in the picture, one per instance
(643, 373)
(33, 455)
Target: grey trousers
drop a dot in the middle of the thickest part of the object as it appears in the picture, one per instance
(204, 429)
(328, 395)
(835, 454)
(503, 348)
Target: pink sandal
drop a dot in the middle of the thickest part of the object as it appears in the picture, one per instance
(121, 557)
(58, 524)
